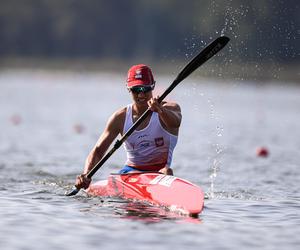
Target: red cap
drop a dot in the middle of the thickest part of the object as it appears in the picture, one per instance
(139, 75)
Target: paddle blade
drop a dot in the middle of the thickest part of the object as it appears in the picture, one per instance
(74, 191)
(197, 61)
(211, 50)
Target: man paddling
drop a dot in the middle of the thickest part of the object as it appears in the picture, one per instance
(150, 147)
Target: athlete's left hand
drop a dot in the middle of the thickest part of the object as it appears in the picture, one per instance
(154, 105)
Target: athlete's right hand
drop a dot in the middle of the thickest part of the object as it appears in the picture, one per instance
(82, 181)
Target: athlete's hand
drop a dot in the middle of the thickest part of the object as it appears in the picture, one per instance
(82, 181)
(166, 171)
(154, 105)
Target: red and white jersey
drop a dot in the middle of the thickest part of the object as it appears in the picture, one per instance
(150, 146)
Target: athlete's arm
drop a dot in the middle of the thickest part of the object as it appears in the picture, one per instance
(113, 128)
(169, 113)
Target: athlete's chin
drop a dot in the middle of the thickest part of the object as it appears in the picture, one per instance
(142, 101)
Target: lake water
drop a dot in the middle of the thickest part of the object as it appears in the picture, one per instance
(50, 120)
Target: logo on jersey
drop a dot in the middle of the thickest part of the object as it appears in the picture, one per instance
(159, 141)
(142, 136)
(144, 144)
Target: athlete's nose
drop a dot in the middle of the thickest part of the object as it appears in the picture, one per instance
(141, 94)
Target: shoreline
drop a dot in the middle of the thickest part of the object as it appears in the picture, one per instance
(256, 72)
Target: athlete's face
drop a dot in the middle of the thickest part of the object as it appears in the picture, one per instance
(141, 95)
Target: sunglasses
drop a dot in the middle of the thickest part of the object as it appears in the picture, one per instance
(141, 89)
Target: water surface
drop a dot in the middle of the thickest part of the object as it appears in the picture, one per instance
(50, 120)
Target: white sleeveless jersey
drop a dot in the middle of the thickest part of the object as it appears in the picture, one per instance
(152, 145)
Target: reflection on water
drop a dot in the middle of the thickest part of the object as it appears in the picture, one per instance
(133, 210)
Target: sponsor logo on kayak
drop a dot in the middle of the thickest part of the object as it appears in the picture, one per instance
(164, 180)
(156, 179)
(132, 180)
(167, 180)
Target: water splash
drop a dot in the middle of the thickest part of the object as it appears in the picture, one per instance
(212, 177)
(215, 168)
(232, 19)
(192, 45)
(217, 146)
(216, 129)
(219, 129)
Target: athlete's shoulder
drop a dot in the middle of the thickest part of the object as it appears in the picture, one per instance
(120, 112)
(119, 115)
(172, 105)
(117, 119)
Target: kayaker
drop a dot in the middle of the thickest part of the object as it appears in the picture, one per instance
(150, 147)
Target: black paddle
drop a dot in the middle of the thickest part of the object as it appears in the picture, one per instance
(212, 49)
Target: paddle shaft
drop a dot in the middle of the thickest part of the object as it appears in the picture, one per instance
(212, 49)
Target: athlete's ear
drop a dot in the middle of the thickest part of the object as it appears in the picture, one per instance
(153, 85)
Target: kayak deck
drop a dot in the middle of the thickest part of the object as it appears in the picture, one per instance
(171, 192)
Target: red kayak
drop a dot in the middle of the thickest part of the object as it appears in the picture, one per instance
(168, 191)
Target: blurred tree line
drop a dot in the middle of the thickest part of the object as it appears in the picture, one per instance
(260, 30)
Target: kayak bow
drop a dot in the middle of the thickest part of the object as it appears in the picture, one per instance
(174, 193)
